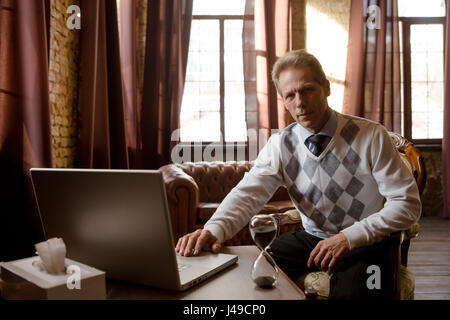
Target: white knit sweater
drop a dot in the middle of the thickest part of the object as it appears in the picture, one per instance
(358, 185)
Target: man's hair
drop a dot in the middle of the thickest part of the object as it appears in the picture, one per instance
(298, 59)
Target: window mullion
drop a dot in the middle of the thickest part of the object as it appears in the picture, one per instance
(407, 80)
(222, 81)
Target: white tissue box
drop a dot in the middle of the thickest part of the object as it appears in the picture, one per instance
(25, 279)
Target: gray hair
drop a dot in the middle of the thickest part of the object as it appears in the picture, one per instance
(298, 59)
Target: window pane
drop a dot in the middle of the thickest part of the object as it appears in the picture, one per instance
(419, 66)
(427, 81)
(201, 99)
(210, 126)
(233, 57)
(421, 8)
(209, 96)
(235, 125)
(419, 125)
(435, 68)
(200, 126)
(204, 46)
(435, 96)
(218, 7)
(435, 36)
(426, 38)
(419, 97)
(435, 125)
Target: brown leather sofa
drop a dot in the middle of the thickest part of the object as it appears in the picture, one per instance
(196, 189)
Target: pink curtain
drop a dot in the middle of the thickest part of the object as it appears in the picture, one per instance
(372, 82)
(446, 138)
(24, 121)
(264, 41)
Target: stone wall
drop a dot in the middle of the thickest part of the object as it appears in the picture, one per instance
(298, 24)
(63, 83)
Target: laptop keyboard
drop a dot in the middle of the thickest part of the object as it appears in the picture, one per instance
(182, 266)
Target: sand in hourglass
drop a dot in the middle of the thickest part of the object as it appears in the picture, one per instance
(263, 235)
(265, 282)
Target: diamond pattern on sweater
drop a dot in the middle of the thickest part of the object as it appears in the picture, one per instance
(349, 132)
(318, 218)
(351, 161)
(291, 141)
(310, 167)
(295, 193)
(293, 168)
(313, 194)
(333, 191)
(356, 209)
(324, 189)
(354, 187)
(337, 216)
(330, 163)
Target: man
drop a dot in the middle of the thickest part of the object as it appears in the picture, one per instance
(344, 176)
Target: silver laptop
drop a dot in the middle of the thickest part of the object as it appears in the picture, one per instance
(118, 221)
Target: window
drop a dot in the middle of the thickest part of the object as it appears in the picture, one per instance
(422, 32)
(213, 105)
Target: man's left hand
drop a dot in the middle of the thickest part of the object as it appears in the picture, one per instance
(329, 251)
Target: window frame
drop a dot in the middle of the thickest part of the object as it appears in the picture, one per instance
(407, 99)
(236, 145)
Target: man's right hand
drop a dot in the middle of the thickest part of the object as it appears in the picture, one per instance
(195, 242)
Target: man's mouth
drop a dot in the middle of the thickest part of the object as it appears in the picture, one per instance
(303, 114)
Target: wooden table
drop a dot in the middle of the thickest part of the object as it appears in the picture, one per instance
(233, 283)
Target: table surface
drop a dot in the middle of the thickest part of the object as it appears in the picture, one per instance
(233, 283)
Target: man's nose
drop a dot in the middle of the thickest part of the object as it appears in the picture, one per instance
(298, 100)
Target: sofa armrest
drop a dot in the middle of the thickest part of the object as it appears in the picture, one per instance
(288, 221)
(182, 197)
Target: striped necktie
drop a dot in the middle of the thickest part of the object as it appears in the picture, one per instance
(315, 144)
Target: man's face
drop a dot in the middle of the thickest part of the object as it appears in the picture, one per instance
(304, 97)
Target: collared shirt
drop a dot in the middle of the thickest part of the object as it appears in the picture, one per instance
(327, 130)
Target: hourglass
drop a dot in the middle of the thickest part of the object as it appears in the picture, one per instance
(263, 229)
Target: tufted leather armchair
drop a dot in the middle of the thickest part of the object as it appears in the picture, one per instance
(196, 189)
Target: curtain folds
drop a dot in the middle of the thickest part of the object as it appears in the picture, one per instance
(167, 45)
(372, 87)
(24, 121)
(119, 128)
(130, 62)
(446, 138)
(271, 36)
(102, 141)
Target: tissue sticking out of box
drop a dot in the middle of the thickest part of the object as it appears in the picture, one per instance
(52, 253)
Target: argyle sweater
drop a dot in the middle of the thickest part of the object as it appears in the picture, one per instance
(358, 185)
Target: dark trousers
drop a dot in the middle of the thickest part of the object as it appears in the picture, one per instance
(351, 274)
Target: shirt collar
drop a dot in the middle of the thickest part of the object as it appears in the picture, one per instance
(327, 130)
